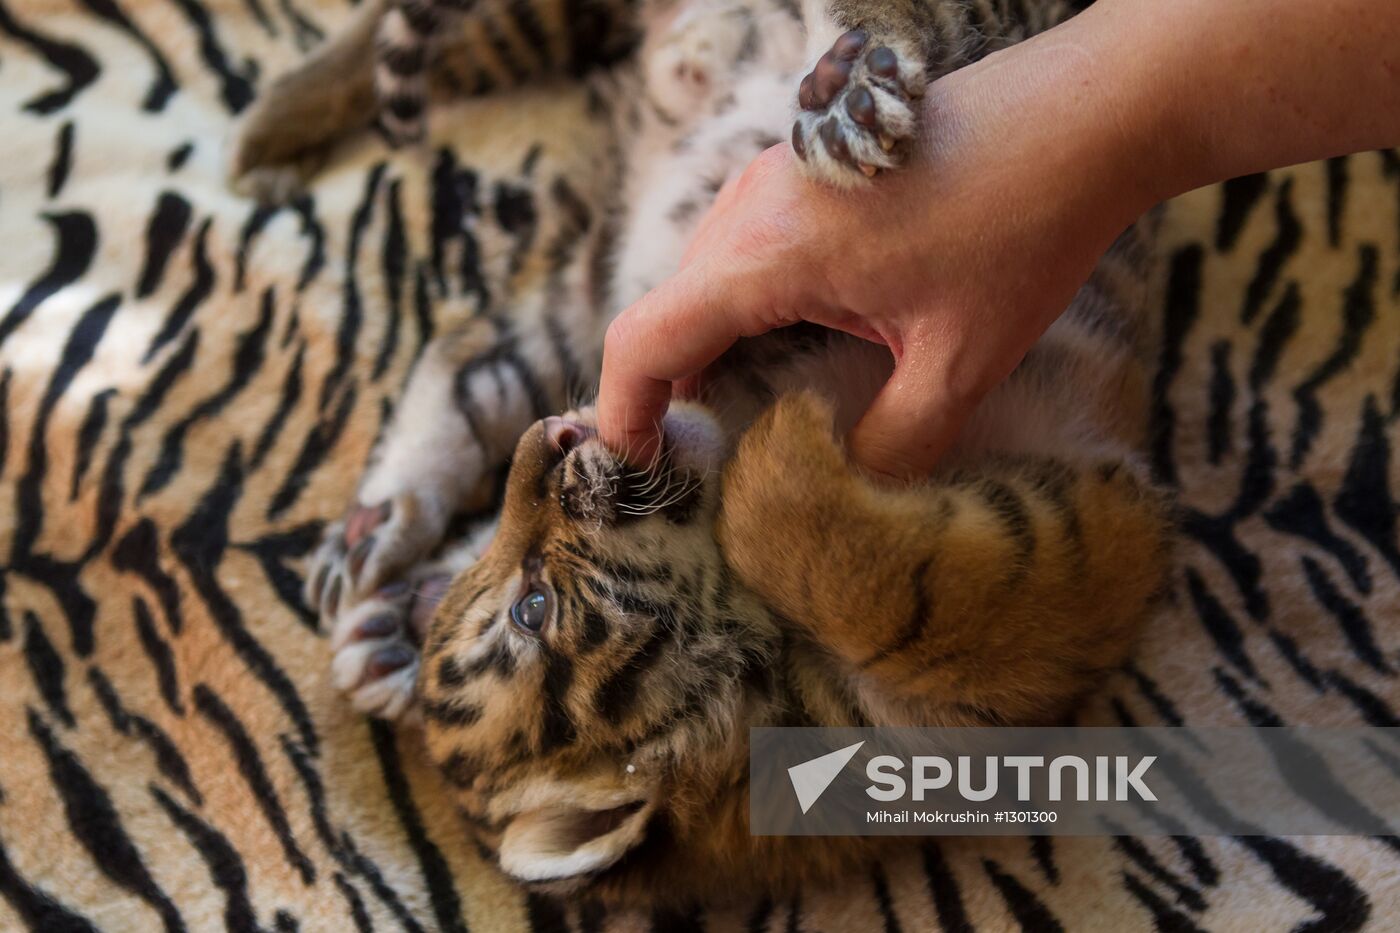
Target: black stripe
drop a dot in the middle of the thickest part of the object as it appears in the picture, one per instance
(1274, 336)
(76, 245)
(168, 758)
(1294, 756)
(1043, 851)
(1015, 517)
(1374, 710)
(161, 657)
(457, 714)
(595, 631)
(319, 442)
(943, 889)
(422, 307)
(1183, 307)
(1218, 623)
(200, 289)
(305, 206)
(576, 219)
(1358, 314)
(358, 914)
(199, 543)
(557, 727)
(351, 313)
(368, 870)
(514, 207)
(1245, 569)
(1222, 403)
(316, 797)
(139, 552)
(917, 620)
(1141, 856)
(164, 85)
(97, 827)
(178, 157)
(1275, 255)
(221, 858)
(616, 696)
(59, 576)
(250, 765)
(235, 89)
(287, 399)
(62, 159)
(247, 361)
(260, 14)
(258, 219)
(77, 65)
(46, 667)
(1288, 647)
(1338, 180)
(501, 45)
(883, 899)
(1239, 195)
(1154, 695)
(394, 261)
(273, 551)
(442, 893)
(1165, 918)
(526, 17)
(111, 491)
(545, 914)
(1364, 502)
(40, 911)
(1026, 908)
(1302, 512)
(94, 423)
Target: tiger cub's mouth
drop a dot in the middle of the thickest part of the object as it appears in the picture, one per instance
(599, 485)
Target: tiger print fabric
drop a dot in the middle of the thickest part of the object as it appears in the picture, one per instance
(189, 386)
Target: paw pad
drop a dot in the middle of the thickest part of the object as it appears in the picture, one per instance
(376, 643)
(370, 546)
(857, 109)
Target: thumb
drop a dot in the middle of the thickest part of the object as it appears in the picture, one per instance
(910, 425)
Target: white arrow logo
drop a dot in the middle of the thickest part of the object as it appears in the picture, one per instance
(811, 778)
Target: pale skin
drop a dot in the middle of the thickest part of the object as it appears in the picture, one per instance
(1031, 162)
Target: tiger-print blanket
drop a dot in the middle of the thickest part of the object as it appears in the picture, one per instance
(189, 385)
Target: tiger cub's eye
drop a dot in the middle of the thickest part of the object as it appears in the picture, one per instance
(531, 611)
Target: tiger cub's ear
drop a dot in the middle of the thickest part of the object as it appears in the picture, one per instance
(556, 843)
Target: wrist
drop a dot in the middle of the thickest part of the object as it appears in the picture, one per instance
(1048, 117)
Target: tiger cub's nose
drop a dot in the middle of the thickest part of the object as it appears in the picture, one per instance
(564, 435)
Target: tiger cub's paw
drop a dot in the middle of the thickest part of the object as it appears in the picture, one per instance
(858, 110)
(376, 644)
(267, 161)
(366, 549)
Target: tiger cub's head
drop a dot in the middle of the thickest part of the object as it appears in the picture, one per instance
(592, 677)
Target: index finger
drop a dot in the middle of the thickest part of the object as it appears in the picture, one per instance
(675, 331)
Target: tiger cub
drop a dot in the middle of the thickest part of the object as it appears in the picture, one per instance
(586, 671)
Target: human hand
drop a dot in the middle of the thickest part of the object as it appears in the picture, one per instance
(957, 262)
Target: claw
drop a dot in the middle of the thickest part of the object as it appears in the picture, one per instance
(869, 170)
(886, 142)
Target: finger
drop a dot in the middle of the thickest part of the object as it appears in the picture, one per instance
(910, 425)
(674, 332)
